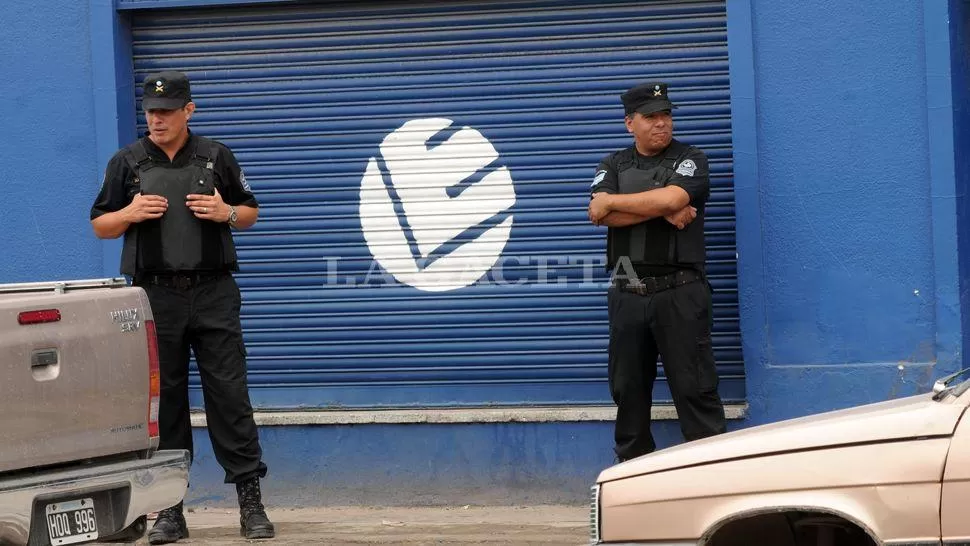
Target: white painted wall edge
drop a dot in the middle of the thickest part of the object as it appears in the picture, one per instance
(547, 414)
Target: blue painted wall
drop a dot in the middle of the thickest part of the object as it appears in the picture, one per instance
(403, 464)
(846, 217)
(850, 266)
(845, 206)
(960, 62)
(48, 170)
(446, 464)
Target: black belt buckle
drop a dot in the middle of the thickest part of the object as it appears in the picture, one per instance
(642, 287)
(182, 282)
(179, 281)
(646, 286)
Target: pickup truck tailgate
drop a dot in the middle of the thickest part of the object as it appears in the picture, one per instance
(74, 384)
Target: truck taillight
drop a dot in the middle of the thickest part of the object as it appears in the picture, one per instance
(154, 379)
(38, 317)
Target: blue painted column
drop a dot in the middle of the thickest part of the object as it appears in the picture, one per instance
(959, 58)
(845, 202)
(114, 99)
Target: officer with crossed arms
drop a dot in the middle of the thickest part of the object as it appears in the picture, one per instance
(652, 197)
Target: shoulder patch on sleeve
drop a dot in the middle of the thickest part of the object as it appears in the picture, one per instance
(600, 175)
(686, 168)
(242, 180)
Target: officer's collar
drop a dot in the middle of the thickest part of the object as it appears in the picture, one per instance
(154, 149)
(660, 154)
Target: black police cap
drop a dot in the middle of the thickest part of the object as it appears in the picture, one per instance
(166, 91)
(647, 98)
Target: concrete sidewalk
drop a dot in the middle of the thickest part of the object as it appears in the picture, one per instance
(483, 525)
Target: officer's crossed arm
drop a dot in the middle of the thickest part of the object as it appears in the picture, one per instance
(689, 185)
(615, 218)
(620, 219)
(605, 188)
(645, 205)
(679, 219)
(605, 182)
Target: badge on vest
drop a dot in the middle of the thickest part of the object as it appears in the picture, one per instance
(686, 168)
(600, 175)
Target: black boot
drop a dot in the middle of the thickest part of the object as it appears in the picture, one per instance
(253, 522)
(169, 527)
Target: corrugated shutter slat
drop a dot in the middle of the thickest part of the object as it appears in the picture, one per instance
(305, 95)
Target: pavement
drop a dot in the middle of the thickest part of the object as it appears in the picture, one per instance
(467, 525)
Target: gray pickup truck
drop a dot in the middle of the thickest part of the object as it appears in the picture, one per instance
(79, 391)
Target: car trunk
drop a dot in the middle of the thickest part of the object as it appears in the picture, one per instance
(74, 381)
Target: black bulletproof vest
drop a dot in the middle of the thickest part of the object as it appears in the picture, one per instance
(656, 241)
(178, 241)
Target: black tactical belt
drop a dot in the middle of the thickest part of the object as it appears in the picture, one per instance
(181, 281)
(651, 285)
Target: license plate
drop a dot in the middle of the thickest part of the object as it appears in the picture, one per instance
(72, 521)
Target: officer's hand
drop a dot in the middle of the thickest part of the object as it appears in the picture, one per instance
(681, 218)
(599, 207)
(146, 207)
(208, 207)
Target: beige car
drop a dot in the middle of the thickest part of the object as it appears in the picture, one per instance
(895, 473)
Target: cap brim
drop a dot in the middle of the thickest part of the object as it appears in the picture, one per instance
(160, 103)
(656, 106)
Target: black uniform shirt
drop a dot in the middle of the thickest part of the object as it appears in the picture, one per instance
(118, 177)
(691, 173)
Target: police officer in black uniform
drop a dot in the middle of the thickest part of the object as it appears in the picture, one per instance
(652, 197)
(174, 196)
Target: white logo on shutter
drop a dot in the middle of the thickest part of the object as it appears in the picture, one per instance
(436, 215)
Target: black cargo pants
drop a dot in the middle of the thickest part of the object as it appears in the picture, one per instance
(676, 324)
(201, 313)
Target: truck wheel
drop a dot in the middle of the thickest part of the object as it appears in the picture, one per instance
(129, 534)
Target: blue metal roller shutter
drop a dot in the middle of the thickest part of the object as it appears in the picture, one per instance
(314, 100)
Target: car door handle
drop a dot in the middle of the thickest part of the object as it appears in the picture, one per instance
(45, 364)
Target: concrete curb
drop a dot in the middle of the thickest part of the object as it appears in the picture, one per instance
(552, 414)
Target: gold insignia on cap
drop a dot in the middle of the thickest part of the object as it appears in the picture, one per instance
(656, 91)
(159, 88)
